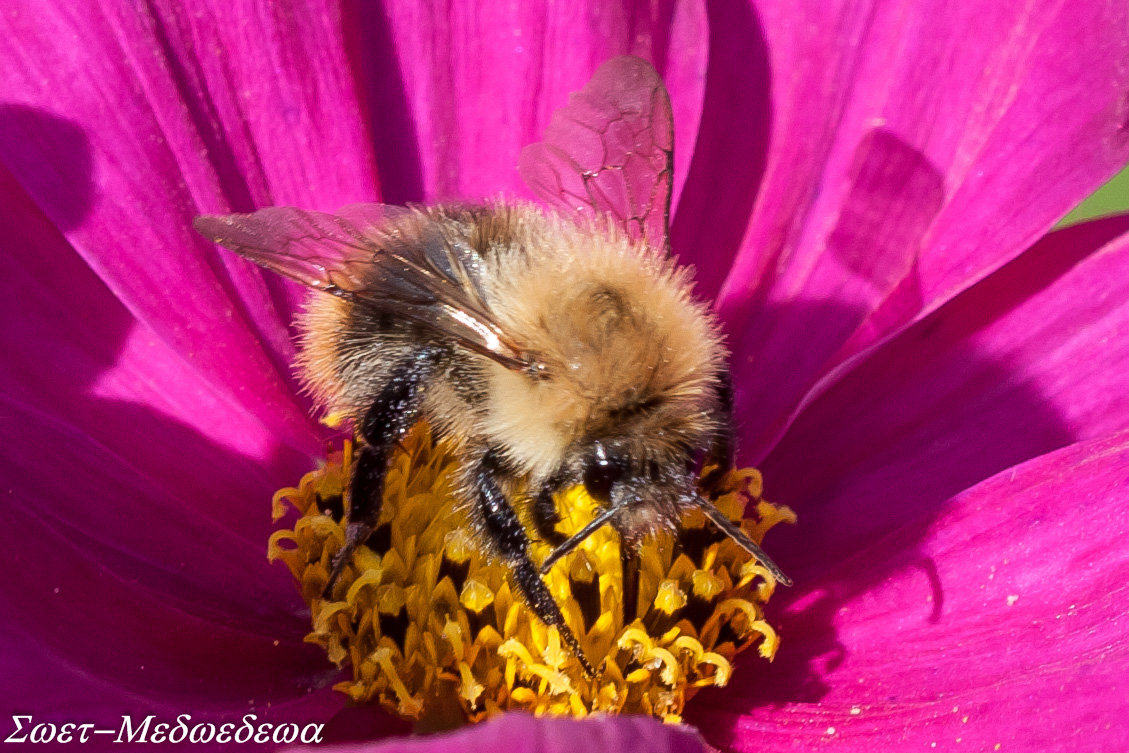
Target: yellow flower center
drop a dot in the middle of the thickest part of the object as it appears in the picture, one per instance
(433, 630)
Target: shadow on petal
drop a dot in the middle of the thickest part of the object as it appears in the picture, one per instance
(66, 182)
(869, 249)
(383, 95)
(731, 149)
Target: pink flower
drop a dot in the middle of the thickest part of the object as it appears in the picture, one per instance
(935, 383)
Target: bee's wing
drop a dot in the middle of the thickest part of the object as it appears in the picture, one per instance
(610, 151)
(423, 278)
(322, 251)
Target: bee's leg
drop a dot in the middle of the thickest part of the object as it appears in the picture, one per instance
(390, 416)
(721, 449)
(545, 515)
(511, 542)
(629, 566)
(629, 572)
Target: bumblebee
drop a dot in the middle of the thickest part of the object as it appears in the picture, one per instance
(553, 348)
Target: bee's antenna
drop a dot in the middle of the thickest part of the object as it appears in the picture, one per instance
(577, 538)
(718, 518)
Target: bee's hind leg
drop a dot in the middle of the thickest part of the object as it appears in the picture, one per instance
(510, 541)
(387, 420)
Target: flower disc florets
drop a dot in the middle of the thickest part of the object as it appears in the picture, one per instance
(434, 632)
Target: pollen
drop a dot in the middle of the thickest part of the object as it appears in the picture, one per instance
(432, 630)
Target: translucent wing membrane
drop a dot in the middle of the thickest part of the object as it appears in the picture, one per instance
(610, 151)
(374, 256)
(323, 251)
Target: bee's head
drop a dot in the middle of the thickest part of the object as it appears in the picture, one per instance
(640, 493)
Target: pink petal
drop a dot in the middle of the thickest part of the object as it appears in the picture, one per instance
(731, 149)
(150, 121)
(914, 149)
(1025, 362)
(134, 524)
(481, 81)
(83, 519)
(1001, 622)
(39, 685)
(80, 355)
(522, 733)
(111, 591)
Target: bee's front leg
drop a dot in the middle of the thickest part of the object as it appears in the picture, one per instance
(510, 541)
(629, 567)
(387, 420)
(545, 514)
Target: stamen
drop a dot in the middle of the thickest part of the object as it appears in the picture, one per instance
(433, 631)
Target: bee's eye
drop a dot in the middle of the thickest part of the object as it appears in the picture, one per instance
(601, 473)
